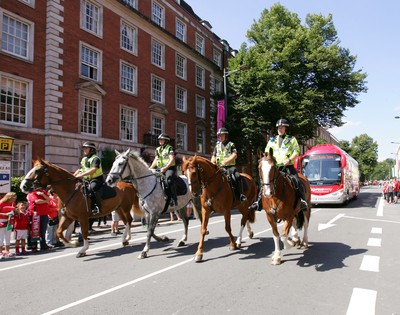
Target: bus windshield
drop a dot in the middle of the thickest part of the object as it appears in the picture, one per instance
(322, 169)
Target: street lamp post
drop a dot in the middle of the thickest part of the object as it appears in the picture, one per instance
(396, 166)
(226, 74)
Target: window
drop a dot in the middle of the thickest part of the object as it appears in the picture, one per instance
(128, 78)
(157, 14)
(91, 15)
(90, 116)
(90, 63)
(217, 57)
(158, 125)
(200, 44)
(180, 63)
(200, 77)
(217, 88)
(19, 161)
(15, 100)
(16, 36)
(131, 3)
(129, 38)
(157, 90)
(181, 99)
(200, 106)
(29, 2)
(128, 124)
(180, 32)
(200, 140)
(157, 54)
(181, 136)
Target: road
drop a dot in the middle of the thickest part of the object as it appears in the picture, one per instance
(351, 267)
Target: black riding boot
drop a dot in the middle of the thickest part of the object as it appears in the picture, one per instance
(303, 202)
(96, 202)
(242, 196)
(172, 189)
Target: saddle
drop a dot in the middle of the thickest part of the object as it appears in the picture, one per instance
(181, 188)
(235, 185)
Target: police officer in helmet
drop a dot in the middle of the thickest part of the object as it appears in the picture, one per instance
(165, 162)
(224, 155)
(92, 171)
(286, 149)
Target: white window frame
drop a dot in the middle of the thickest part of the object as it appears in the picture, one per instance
(200, 106)
(181, 135)
(31, 3)
(129, 39)
(158, 17)
(159, 89)
(200, 141)
(21, 159)
(96, 25)
(157, 53)
(200, 44)
(180, 99)
(180, 30)
(131, 3)
(25, 50)
(88, 63)
(217, 57)
(11, 81)
(155, 129)
(180, 66)
(128, 123)
(128, 79)
(84, 127)
(200, 77)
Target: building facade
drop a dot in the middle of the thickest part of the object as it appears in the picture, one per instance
(114, 72)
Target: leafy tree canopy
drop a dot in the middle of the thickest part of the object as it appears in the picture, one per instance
(298, 72)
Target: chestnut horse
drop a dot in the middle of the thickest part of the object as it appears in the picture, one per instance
(211, 182)
(281, 202)
(69, 190)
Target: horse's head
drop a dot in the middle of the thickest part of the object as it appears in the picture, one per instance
(36, 177)
(119, 168)
(192, 171)
(267, 167)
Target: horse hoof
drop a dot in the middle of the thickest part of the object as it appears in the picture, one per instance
(181, 243)
(164, 238)
(79, 255)
(233, 247)
(276, 261)
(126, 243)
(251, 235)
(198, 258)
(142, 255)
(238, 245)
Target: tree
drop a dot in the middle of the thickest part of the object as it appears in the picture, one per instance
(295, 71)
(365, 150)
(383, 170)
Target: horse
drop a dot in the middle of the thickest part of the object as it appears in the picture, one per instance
(129, 166)
(212, 183)
(281, 202)
(75, 202)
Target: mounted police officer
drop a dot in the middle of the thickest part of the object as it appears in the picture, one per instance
(92, 171)
(165, 162)
(286, 149)
(225, 155)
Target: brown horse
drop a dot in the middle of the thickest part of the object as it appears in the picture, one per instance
(280, 199)
(211, 182)
(77, 206)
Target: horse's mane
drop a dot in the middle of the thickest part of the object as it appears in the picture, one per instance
(52, 165)
(135, 155)
(204, 160)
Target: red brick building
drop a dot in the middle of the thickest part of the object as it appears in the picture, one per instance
(115, 72)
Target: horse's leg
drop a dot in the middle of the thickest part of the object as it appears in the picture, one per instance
(277, 255)
(185, 220)
(151, 225)
(243, 223)
(287, 244)
(304, 243)
(228, 229)
(65, 222)
(127, 219)
(204, 223)
(84, 221)
(250, 232)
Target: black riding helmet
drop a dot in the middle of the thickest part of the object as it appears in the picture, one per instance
(282, 122)
(89, 145)
(164, 136)
(222, 131)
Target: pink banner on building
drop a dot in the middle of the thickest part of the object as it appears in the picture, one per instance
(220, 114)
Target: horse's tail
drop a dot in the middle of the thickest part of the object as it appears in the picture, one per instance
(196, 202)
(300, 219)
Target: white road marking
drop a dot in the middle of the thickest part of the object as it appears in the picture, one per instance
(376, 230)
(379, 212)
(374, 242)
(362, 301)
(323, 226)
(370, 263)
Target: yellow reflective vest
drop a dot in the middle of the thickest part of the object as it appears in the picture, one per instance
(162, 154)
(285, 151)
(223, 152)
(87, 164)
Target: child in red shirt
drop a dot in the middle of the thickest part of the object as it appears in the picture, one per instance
(21, 227)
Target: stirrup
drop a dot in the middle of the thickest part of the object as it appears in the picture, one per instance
(243, 198)
(303, 205)
(254, 206)
(96, 210)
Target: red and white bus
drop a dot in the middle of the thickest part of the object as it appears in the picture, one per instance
(333, 174)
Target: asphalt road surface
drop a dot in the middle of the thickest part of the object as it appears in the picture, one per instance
(351, 267)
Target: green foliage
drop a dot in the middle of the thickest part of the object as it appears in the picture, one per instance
(295, 71)
(383, 170)
(107, 159)
(15, 182)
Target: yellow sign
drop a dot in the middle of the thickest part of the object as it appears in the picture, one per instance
(6, 144)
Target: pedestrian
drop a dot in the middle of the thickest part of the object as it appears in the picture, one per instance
(225, 155)
(21, 228)
(164, 161)
(7, 208)
(285, 149)
(92, 171)
(38, 211)
(51, 237)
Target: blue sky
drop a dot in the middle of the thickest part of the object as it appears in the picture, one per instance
(368, 28)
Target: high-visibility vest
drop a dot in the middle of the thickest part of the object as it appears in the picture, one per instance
(162, 154)
(223, 153)
(285, 151)
(87, 163)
